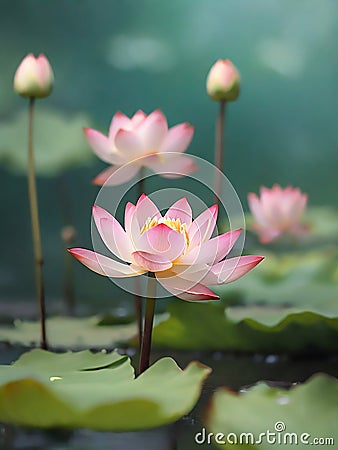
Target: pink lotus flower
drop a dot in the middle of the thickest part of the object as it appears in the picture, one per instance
(179, 250)
(34, 77)
(142, 141)
(278, 211)
(223, 81)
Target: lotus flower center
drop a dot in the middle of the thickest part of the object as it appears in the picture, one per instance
(174, 224)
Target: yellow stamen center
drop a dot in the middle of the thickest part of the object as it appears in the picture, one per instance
(174, 224)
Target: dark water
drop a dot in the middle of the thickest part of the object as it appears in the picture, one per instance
(233, 371)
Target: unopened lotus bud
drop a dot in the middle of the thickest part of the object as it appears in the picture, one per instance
(223, 81)
(34, 77)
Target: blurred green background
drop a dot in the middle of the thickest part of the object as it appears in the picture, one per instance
(124, 55)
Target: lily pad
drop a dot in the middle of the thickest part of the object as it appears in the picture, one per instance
(210, 327)
(106, 399)
(291, 301)
(295, 417)
(58, 141)
(302, 332)
(42, 360)
(269, 316)
(69, 332)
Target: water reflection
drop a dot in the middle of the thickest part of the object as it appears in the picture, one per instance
(15, 438)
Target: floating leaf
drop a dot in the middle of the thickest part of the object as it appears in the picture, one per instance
(269, 316)
(58, 141)
(69, 332)
(106, 399)
(309, 408)
(194, 326)
(299, 332)
(208, 327)
(43, 360)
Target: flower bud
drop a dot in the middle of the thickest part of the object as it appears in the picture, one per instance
(223, 81)
(34, 77)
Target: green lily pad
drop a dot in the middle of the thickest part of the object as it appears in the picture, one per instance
(194, 327)
(42, 360)
(308, 411)
(289, 303)
(106, 399)
(283, 331)
(208, 326)
(69, 332)
(58, 141)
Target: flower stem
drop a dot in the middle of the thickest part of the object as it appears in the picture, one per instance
(68, 289)
(148, 323)
(138, 296)
(138, 310)
(33, 203)
(219, 142)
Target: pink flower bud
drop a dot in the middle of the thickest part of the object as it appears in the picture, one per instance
(223, 81)
(34, 77)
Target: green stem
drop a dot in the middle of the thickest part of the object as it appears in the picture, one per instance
(69, 292)
(148, 323)
(138, 310)
(138, 296)
(33, 203)
(219, 143)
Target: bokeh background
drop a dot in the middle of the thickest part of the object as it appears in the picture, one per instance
(124, 55)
